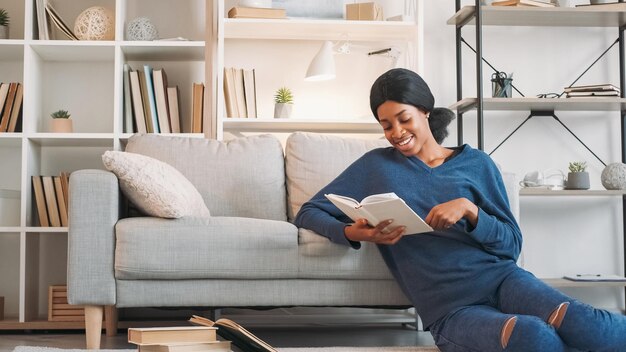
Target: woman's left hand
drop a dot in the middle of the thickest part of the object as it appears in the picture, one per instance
(444, 215)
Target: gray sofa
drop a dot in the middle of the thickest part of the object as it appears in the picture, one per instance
(247, 254)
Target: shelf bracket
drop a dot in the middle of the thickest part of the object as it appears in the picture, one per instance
(553, 115)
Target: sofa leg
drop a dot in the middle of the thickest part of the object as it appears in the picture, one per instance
(93, 326)
(110, 320)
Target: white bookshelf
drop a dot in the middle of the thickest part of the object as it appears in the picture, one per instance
(85, 78)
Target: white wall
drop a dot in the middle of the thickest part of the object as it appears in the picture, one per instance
(562, 235)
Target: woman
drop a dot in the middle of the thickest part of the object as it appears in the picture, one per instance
(462, 277)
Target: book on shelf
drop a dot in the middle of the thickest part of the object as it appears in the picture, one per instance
(606, 6)
(523, 3)
(171, 335)
(137, 101)
(592, 88)
(381, 207)
(4, 92)
(150, 124)
(40, 201)
(197, 107)
(256, 12)
(249, 89)
(239, 93)
(153, 115)
(128, 105)
(51, 201)
(592, 94)
(230, 100)
(54, 17)
(217, 346)
(595, 278)
(65, 184)
(8, 106)
(60, 198)
(174, 108)
(159, 80)
(16, 110)
(43, 25)
(235, 333)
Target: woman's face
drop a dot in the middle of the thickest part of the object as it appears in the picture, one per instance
(405, 126)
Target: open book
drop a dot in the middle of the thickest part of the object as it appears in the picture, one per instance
(240, 337)
(380, 207)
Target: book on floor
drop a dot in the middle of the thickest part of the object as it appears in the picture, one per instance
(240, 337)
(381, 207)
(217, 346)
(172, 335)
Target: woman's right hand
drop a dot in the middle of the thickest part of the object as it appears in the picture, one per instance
(361, 231)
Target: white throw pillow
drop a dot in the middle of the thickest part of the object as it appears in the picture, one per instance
(155, 187)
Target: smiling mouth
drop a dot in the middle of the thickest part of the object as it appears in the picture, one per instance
(405, 141)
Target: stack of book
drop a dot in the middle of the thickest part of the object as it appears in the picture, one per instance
(51, 197)
(177, 339)
(149, 103)
(11, 97)
(240, 92)
(596, 90)
(524, 3)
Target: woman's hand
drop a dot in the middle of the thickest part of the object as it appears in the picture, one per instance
(444, 215)
(361, 231)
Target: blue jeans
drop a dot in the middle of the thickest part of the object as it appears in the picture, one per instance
(521, 295)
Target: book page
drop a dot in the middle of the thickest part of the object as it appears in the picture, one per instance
(379, 198)
(401, 214)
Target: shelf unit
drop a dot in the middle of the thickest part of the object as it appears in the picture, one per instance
(85, 78)
(589, 16)
(280, 50)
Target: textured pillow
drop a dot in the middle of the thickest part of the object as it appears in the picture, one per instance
(155, 187)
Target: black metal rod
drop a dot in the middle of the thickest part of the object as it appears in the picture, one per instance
(622, 86)
(479, 76)
(491, 66)
(510, 134)
(593, 63)
(459, 78)
(578, 139)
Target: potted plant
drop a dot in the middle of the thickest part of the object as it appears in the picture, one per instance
(4, 24)
(61, 122)
(284, 102)
(578, 178)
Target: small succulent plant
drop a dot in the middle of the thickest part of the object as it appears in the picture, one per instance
(4, 17)
(283, 96)
(577, 166)
(60, 114)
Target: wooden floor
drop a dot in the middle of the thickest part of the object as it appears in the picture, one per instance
(299, 336)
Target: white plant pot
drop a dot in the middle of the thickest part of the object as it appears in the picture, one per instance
(4, 32)
(61, 126)
(282, 111)
(256, 3)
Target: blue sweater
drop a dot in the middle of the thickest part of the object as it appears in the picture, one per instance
(439, 271)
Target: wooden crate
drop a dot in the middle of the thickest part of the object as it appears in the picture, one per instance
(59, 309)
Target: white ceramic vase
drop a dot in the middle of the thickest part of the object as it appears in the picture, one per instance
(282, 111)
(61, 126)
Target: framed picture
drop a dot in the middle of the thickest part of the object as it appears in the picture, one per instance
(311, 8)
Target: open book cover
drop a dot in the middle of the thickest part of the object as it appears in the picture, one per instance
(380, 207)
(240, 337)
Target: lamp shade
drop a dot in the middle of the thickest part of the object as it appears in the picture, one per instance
(322, 66)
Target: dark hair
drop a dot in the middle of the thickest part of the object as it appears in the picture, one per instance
(407, 87)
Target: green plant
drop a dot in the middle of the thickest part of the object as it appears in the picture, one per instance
(577, 166)
(4, 17)
(60, 114)
(283, 96)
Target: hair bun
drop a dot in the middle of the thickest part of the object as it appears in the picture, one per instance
(438, 121)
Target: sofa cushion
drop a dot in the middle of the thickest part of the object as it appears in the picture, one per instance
(322, 259)
(205, 248)
(313, 160)
(155, 187)
(243, 177)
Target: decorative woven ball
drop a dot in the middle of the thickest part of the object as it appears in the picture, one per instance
(141, 29)
(95, 23)
(614, 176)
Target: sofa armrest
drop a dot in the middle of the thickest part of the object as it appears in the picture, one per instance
(94, 209)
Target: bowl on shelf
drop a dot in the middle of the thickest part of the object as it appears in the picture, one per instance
(255, 3)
